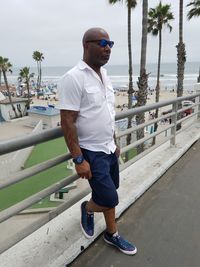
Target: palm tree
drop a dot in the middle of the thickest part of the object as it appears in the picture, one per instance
(130, 4)
(195, 10)
(158, 18)
(5, 66)
(38, 57)
(143, 79)
(25, 76)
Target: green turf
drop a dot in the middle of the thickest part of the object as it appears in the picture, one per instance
(45, 151)
(42, 152)
(131, 153)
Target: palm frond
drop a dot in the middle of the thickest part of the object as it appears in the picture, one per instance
(159, 17)
(129, 3)
(195, 10)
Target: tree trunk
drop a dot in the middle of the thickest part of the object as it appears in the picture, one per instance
(181, 59)
(38, 80)
(158, 82)
(143, 79)
(181, 54)
(158, 70)
(198, 78)
(9, 94)
(40, 74)
(130, 87)
(28, 90)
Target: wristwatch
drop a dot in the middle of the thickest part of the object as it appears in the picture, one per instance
(78, 160)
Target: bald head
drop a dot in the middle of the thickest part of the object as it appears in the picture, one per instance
(95, 54)
(92, 34)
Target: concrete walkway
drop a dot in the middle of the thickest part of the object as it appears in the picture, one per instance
(163, 223)
(14, 129)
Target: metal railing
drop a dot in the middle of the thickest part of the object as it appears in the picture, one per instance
(33, 139)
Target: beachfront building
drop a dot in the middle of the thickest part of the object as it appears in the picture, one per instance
(6, 111)
(2, 97)
(50, 116)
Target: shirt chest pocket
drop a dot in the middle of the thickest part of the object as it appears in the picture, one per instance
(94, 96)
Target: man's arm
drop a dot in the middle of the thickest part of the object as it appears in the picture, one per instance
(68, 119)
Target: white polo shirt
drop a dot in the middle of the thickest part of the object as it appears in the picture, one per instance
(81, 89)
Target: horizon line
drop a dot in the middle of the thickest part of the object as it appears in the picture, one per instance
(69, 66)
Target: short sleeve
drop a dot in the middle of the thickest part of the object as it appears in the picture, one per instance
(69, 93)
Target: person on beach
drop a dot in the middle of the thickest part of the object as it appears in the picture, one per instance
(86, 103)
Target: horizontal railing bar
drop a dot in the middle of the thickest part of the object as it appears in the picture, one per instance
(187, 117)
(45, 135)
(13, 210)
(135, 128)
(26, 173)
(18, 143)
(122, 114)
(186, 125)
(142, 154)
(142, 140)
(41, 221)
(182, 110)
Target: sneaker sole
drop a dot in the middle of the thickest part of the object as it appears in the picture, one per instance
(85, 234)
(124, 251)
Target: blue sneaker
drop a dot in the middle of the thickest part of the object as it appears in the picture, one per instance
(122, 244)
(87, 221)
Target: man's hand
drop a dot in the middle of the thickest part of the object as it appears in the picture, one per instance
(83, 170)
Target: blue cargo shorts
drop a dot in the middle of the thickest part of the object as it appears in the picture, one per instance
(105, 177)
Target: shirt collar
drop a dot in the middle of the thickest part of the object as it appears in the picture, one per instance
(82, 65)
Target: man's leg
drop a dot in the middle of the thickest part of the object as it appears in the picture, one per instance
(109, 215)
(111, 235)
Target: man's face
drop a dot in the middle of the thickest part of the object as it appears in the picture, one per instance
(98, 50)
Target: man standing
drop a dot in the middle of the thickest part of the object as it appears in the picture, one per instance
(86, 101)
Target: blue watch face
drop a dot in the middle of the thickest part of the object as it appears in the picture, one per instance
(78, 160)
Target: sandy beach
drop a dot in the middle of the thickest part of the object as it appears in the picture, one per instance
(121, 98)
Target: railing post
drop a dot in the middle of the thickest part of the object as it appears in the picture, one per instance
(174, 120)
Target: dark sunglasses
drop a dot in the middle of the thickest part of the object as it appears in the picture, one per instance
(102, 42)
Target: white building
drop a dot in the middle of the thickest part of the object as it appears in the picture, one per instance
(49, 116)
(6, 111)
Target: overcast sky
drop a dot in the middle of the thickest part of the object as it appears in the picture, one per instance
(55, 28)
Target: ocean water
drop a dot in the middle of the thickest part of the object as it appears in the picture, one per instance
(119, 75)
